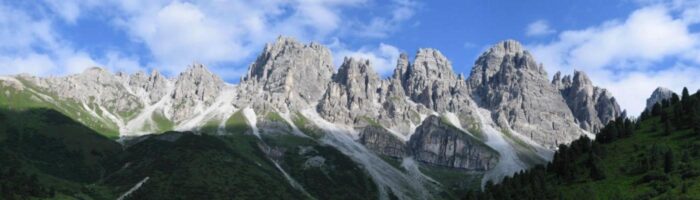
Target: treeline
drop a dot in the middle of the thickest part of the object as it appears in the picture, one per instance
(661, 167)
(677, 113)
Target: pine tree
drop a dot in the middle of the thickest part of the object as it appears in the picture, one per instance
(669, 163)
(656, 109)
(594, 163)
(667, 127)
(686, 95)
(675, 99)
(696, 122)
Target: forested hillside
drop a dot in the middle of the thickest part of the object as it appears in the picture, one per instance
(656, 156)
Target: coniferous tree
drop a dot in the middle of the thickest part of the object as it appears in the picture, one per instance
(678, 116)
(696, 122)
(656, 109)
(669, 163)
(690, 112)
(675, 99)
(667, 127)
(596, 171)
(665, 103)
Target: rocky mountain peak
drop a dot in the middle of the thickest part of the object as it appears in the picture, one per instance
(507, 80)
(291, 74)
(506, 47)
(592, 106)
(196, 86)
(659, 94)
(401, 67)
(352, 94)
(353, 68)
(431, 64)
(153, 86)
(507, 57)
(429, 78)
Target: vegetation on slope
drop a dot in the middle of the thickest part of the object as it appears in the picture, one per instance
(655, 157)
(46, 155)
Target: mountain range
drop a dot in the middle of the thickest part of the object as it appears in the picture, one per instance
(411, 133)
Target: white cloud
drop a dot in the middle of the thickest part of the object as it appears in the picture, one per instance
(632, 90)
(627, 56)
(539, 28)
(382, 58)
(177, 33)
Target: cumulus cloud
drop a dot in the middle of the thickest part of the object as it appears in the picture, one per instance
(627, 56)
(539, 28)
(221, 34)
(382, 57)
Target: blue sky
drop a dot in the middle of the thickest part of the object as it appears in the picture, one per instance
(627, 46)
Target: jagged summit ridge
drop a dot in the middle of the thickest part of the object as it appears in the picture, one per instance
(507, 80)
(290, 74)
(423, 110)
(592, 106)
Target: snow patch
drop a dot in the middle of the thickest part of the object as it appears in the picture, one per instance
(291, 180)
(252, 119)
(508, 163)
(454, 120)
(221, 109)
(133, 189)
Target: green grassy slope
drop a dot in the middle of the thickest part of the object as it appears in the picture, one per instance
(46, 155)
(656, 157)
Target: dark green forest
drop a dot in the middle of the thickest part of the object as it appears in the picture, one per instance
(46, 155)
(656, 156)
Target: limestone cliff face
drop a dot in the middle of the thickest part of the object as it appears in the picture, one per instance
(288, 75)
(195, 89)
(353, 94)
(380, 141)
(507, 80)
(152, 87)
(438, 143)
(593, 107)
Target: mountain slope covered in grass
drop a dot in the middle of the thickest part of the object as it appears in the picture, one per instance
(47, 155)
(654, 157)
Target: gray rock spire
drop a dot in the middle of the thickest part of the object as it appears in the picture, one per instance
(507, 80)
(289, 74)
(593, 107)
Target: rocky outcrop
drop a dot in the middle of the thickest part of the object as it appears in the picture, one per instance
(288, 75)
(97, 89)
(660, 94)
(438, 143)
(353, 94)
(430, 81)
(358, 96)
(151, 87)
(507, 80)
(380, 141)
(195, 89)
(593, 107)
